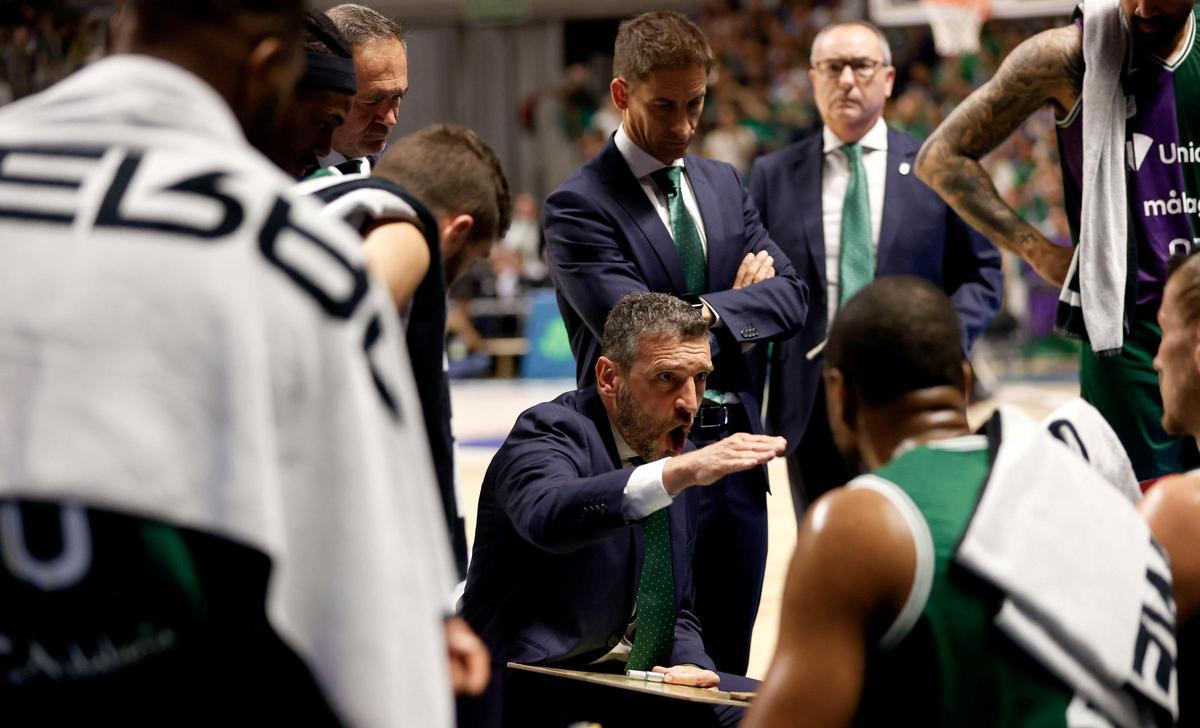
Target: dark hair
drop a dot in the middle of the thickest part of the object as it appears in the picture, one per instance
(1187, 268)
(659, 40)
(897, 335)
(323, 37)
(161, 21)
(360, 24)
(647, 314)
(453, 171)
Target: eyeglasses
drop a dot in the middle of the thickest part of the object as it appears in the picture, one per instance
(864, 68)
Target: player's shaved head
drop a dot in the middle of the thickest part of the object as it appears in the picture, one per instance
(249, 51)
(897, 335)
(162, 22)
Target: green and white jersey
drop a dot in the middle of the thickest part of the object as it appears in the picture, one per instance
(943, 662)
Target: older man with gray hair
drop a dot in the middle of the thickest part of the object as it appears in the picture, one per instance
(866, 215)
(381, 67)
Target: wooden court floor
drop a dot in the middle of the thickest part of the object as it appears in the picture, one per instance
(484, 411)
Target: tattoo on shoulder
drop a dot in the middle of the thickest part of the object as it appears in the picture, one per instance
(1045, 69)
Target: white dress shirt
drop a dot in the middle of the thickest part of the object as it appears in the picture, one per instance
(335, 158)
(644, 491)
(835, 176)
(643, 165)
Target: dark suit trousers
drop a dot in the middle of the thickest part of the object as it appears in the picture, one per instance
(730, 556)
(815, 467)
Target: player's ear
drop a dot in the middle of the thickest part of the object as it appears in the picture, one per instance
(606, 374)
(839, 400)
(1196, 346)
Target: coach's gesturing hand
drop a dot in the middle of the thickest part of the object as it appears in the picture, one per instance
(738, 452)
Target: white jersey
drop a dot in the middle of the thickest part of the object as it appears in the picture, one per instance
(182, 338)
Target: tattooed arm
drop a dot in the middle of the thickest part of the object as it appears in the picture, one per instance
(1045, 69)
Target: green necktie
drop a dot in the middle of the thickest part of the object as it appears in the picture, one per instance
(683, 229)
(856, 267)
(655, 631)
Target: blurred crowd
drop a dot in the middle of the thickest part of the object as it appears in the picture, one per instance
(42, 42)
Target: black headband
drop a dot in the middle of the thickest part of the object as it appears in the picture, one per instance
(332, 72)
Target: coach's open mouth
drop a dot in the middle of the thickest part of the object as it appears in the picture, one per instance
(678, 438)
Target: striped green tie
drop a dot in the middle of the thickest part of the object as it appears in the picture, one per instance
(856, 267)
(654, 634)
(683, 229)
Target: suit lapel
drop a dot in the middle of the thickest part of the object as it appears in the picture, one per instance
(899, 152)
(591, 406)
(627, 191)
(808, 175)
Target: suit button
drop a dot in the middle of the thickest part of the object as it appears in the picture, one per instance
(749, 333)
(614, 640)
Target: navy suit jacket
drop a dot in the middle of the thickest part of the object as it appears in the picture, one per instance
(604, 240)
(920, 236)
(555, 569)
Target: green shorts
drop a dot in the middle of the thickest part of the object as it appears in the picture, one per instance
(1125, 390)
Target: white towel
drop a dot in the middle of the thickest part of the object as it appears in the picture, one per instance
(1083, 429)
(1082, 579)
(1100, 259)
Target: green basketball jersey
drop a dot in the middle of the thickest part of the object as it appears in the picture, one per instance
(943, 662)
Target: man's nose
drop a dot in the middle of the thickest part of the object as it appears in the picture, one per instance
(390, 116)
(846, 77)
(688, 400)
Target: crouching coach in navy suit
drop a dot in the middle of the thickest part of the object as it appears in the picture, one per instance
(582, 552)
(645, 215)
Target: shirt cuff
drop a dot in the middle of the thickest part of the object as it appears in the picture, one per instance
(716, 316)
(644, 492)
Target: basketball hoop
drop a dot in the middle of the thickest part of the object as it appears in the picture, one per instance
(956, 24)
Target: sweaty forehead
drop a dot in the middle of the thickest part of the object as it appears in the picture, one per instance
(659, 354)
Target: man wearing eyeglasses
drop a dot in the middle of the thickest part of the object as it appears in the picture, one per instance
(862, 214)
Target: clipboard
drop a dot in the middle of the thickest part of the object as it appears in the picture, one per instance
(621, 682)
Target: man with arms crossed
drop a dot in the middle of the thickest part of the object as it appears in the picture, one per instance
(645, 215)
